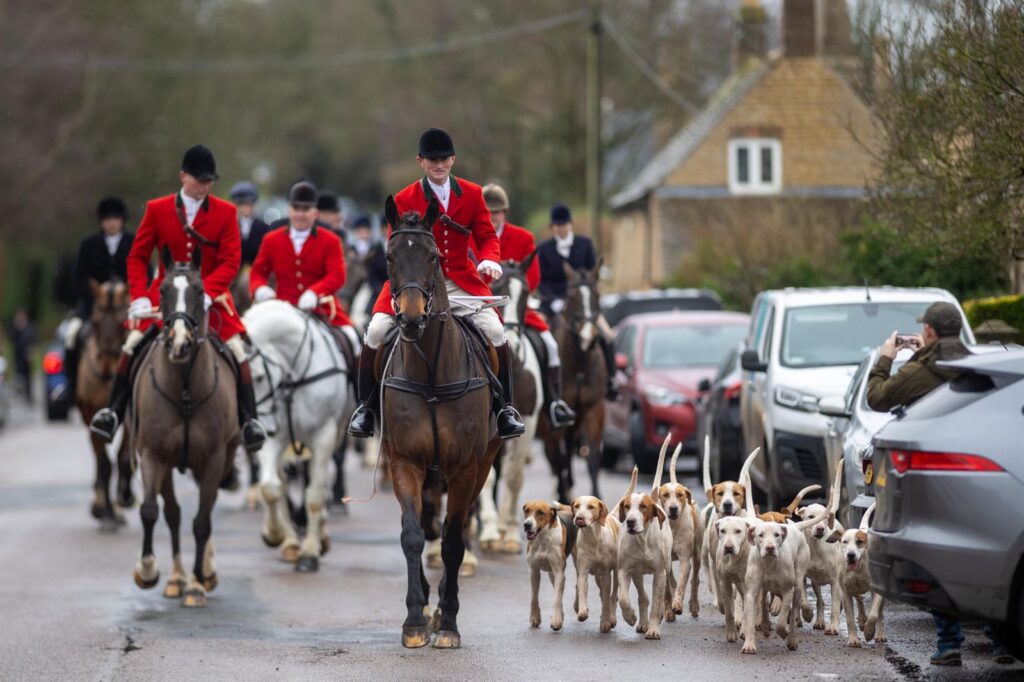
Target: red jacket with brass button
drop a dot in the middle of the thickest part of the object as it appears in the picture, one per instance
(216, 221)
(465, 207)
(319, 267)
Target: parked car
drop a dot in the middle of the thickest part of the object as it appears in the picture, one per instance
(948, 532)
(617, 307)
(803, 345)
(661, 357)
(718, 416)
(851, 426)
(58, 400)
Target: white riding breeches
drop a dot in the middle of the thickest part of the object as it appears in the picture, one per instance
(552, 346)
(234, 344)
(487, 320)
(71, 332)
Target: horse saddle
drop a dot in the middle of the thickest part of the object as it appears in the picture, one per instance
(539, 347)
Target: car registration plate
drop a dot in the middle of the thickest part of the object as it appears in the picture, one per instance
(880, 479)
(869, 473)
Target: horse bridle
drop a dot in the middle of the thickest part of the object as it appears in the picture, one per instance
(427, 291)
(595, 311)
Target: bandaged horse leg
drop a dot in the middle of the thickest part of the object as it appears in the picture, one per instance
(253, 433)
(105, 422)
(490, 535)
(362, 422)
(515, 455)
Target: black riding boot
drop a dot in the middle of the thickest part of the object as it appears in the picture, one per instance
(510, 423)
(558, 411)
(253, 433)
(609, 363)
(362, 422)
(105, 422)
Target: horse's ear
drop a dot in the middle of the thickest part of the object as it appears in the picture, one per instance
(390, 211)
(96, 288)
(433, 211)
(165, 256)
(569, 272)
(197, 258)
(528, 261)
(596, 272)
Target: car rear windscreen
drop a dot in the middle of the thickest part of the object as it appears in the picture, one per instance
(628, 306)
(840, 334)
(691, 345)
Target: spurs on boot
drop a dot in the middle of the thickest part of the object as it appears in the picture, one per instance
(362, 421)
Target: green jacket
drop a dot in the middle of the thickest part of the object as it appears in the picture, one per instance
(916, 379)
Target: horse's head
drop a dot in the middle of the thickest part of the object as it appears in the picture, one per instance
(514, 285)
(582, 303)
(181, 305)
(109, 312)
(414, 268)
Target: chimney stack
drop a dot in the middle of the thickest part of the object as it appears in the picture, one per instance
(799, 28)
(751, 41)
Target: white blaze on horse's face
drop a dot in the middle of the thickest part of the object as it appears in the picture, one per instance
(515, 293)
(587, 332)
(179, 332)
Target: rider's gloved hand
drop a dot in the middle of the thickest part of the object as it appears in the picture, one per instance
(207, 301)
(489, 268)
(557, 305)
(140, 308)
(308, 300)
(263, 293)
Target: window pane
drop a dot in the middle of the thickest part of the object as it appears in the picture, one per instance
(766, 164)
(742, 165)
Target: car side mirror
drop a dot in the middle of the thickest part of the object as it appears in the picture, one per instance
(704, 385)
(621, 362)
(751, 362)
(833, 406)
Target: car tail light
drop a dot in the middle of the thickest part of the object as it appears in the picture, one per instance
(905, 460)
(917, 586)
(53, 363)
(733, 392)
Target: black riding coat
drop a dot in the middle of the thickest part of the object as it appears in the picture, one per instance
(95, 262)
(552, 275)
(251, 244)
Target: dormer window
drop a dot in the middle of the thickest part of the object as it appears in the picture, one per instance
(755, 165)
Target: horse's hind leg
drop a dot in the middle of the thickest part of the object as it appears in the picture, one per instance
(252, 495)
(490, 537)
(408, 483)
(125, 471)
(592, 434)
(512, 477)
(553, 451)
(202, 528)
(453, 550)
(172, 515)
(153, 472)
(316, 540)
(340, 489)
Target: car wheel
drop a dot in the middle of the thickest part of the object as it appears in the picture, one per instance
(1011, 635)
(638, 445)
(610, 455)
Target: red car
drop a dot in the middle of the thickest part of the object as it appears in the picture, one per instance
(661, 359)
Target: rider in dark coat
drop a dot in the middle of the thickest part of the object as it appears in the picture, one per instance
(253, 230)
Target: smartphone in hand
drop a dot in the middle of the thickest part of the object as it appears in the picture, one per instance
(910, 341)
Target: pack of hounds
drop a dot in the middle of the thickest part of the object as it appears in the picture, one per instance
(757, 565)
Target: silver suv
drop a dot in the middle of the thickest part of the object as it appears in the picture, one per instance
(803, 345)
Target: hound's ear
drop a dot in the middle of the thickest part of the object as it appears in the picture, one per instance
(689, 497)
(800, 511)
(834, 538)
(757, 510)
(750, 534)
(622, 512)
(165, 257)
(661, 515)
(710, 493)
(526, 508)
(433, 211)
(570, 274)
(785, 531)
(391, 211)
(528, 261)
(603, 513)
(197, 258)
(715, 525)
(553, 521)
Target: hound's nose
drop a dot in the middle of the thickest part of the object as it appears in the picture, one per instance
(727, 507)
(580, 522)
(631, 523)
(770, 550)
(851, 557)
(673, 513)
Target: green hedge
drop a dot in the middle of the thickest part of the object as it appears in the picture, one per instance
(1009, 309)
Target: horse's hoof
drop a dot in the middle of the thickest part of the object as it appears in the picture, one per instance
(211, 582)
(490, 546)
(435, 561)
(512, 547)
(467, 570)
(194, 598)
(270, 542)
(98, 512)
(143, 583)
(325, 545)
(174, 588)
(290, 554)
(126, 501)
(307, 564)
(435, 620)
(447, 639)
(415, 637)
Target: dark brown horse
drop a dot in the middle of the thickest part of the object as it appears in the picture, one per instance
(436, 420)
(585, 378)
(95, 376)
(182, 414)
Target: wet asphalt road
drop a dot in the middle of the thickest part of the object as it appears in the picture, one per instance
(70, 610)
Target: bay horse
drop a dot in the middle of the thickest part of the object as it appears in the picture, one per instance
(182, 414)
(436, 421)
(500, 519)
(96, 371)
(299, 375)
(585, 380)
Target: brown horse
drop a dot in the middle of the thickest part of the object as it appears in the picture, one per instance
(436, 419)
(585, 379)
(95, 376)
(183, 413)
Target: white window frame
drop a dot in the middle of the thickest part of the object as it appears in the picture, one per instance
(755, 185)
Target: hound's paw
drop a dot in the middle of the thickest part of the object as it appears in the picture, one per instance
(776, 607)
(831, 631)
(695, 609)
(730, 635)
(819, 625)
(606, 626)
(556, 624)
(641, 627)
(869, 629)
(653, 633)
(677, 606)
(782, 630)
(881, 639)
(853, 641)
(748, 647)
(535, 621)
(629, 616)
(582, 615)
(670, 616)
(806, 612)
(791, 645)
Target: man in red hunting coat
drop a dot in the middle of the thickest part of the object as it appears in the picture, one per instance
(185, 221)
(517, 243)
(462, 206)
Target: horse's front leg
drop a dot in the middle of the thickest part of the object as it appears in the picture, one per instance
(125, 471)
(102, 505)
(408, 486)
(202, 528)
(314, 544)
(277, 522)
(592, 432)
(153, 471)
(512, 477)
(490, 537)
(453, 550)
(175, 586)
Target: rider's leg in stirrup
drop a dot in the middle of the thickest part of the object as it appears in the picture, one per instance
(558, 411)
(253, 433)
(72, 352)
(362, 423)
(105, 422)
(605, 336)
(510, 422)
